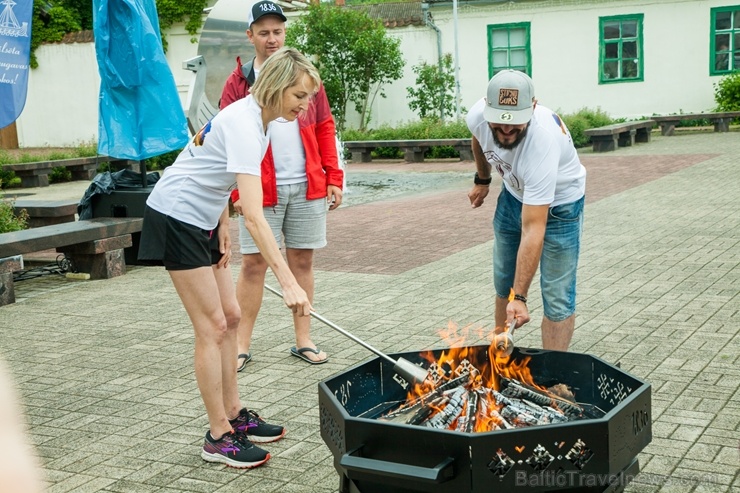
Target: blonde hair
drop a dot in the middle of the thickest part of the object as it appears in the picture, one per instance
(283, 69)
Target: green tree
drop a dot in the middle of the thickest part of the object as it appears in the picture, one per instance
(434, 92)
(82, 10)
(52, 19)
(50, 23)
(354, 54)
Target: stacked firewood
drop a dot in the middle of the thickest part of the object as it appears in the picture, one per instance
(462, 404)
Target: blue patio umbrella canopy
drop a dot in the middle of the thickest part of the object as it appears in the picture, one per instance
(140, 113)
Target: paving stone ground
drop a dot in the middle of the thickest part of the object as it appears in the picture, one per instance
(105, 367)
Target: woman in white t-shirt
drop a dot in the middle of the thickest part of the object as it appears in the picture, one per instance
(188, 207)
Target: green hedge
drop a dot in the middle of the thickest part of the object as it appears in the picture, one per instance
(428, 128)
(432, 128)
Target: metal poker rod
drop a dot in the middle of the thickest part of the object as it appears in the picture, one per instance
(404, 367)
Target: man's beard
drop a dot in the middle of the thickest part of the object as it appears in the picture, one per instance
(519, 138)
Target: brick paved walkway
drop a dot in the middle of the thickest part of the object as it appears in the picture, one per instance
(105, 367)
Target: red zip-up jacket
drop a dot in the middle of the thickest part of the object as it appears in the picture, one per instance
(318, 135)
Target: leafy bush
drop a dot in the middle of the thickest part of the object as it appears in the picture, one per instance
(727, 93)
(87, 149)
(8, 220)
(698, 122)
(55, 156)
(60, 174)
(8, 178)
(162, 161)
(583, 119)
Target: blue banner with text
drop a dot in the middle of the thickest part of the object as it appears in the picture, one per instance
(15, 49)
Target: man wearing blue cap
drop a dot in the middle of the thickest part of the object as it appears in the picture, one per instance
(301, 180)
(539, 212)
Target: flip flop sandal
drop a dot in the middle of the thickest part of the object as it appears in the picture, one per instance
(247, 357)
(300, 353)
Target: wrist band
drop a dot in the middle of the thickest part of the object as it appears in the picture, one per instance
(521, 298)
(481, 181)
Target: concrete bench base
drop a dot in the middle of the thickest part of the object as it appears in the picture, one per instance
(8, 265)
(102, 259)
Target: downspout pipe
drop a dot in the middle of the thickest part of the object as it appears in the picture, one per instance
(428, 22)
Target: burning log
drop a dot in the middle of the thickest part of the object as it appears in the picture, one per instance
(554, 415)
(520, 416)
(467, 420)
(501, 421)
(519, 390)
(427, 410)
(451, 411)
(418, 403)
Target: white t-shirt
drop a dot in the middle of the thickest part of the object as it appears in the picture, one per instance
(195, 189)
(542, 169)
(288, 153)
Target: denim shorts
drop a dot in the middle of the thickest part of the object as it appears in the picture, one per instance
(560, 251)
(295, 221)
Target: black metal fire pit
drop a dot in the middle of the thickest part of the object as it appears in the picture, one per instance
(372, 455)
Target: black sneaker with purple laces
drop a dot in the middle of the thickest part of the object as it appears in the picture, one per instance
(249, 423)
(234, 450)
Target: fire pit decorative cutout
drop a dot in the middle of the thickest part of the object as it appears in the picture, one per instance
(384, 441)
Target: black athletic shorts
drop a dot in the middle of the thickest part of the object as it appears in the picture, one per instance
(175, 244)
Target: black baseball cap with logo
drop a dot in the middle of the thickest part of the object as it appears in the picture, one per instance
(263, 8)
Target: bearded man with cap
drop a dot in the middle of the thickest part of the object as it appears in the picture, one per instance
(301, 179)
(539, 211)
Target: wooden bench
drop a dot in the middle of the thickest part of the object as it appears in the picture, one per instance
(94, 246)
(720, 120)
(413, 150)
(46, 212)
(624, 134)
(36, 174)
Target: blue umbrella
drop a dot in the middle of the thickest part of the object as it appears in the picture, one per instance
(15, 48)
(140, 114)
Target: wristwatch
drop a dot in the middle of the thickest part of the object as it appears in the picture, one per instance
(481, 181)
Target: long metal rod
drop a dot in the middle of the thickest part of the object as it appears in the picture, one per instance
(341, 330)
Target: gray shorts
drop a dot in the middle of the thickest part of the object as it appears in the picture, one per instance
(295, 221)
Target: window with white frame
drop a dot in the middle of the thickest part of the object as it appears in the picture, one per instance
(724, 46)
(620, 48)
(509, 47)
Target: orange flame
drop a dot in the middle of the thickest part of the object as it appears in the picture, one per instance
(486, 369)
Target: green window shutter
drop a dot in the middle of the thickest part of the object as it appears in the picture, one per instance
(621, 49)
(509, 46)
(724, 41)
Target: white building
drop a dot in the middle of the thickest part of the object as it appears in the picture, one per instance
(629, 58)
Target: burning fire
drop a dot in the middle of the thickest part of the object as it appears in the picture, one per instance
(472, 381)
